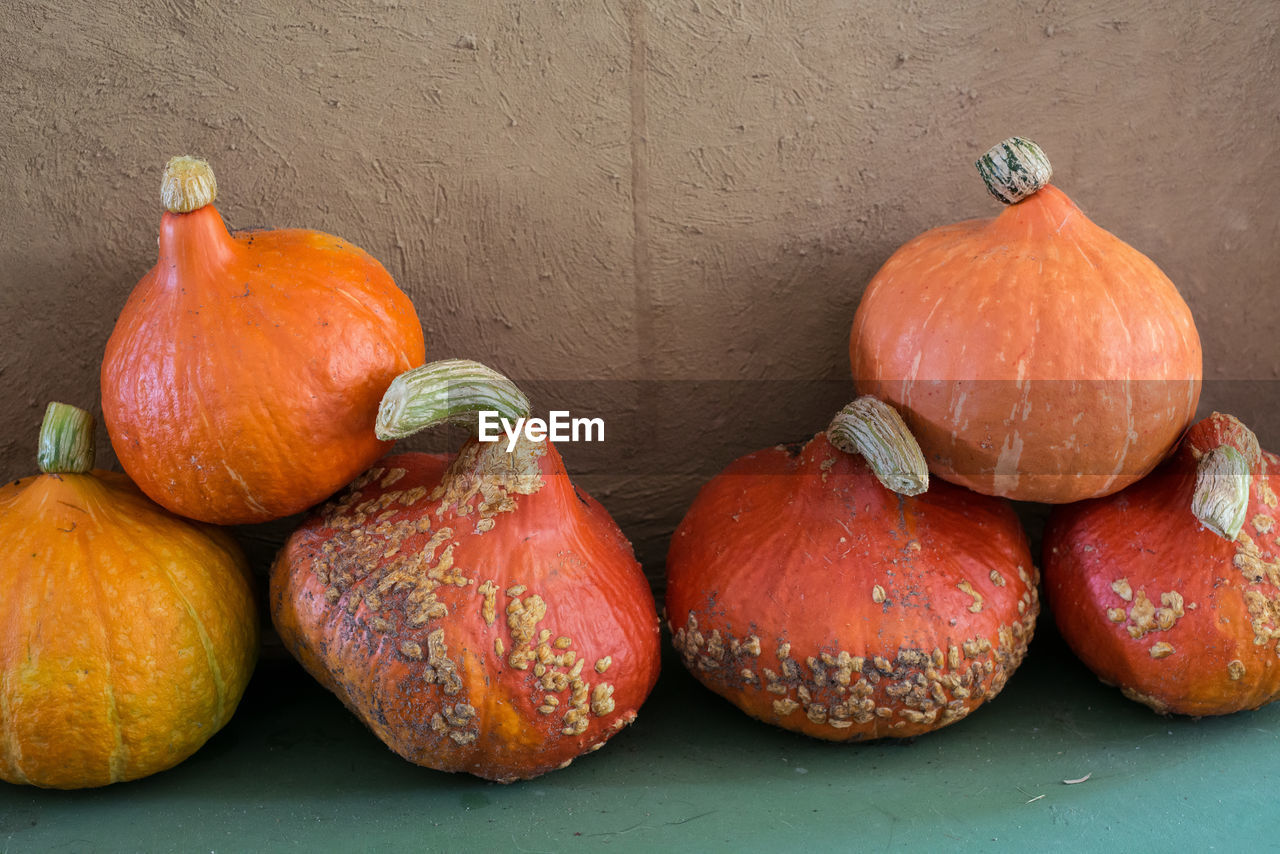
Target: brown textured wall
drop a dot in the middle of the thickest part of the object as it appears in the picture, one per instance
(639, 194)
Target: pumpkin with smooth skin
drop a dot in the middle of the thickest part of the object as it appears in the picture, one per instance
(819, 594)
(479, 613)
(1171, 589)
(242, 378)
(1034, 355)
(128, 634)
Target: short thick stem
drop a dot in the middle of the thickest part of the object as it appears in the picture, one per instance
(66, 440)
(875, 430)
(1221, 499)
(188, 184)
(453, 390)
(1014, 169)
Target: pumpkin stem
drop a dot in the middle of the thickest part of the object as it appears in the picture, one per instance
(875, 430)
(188, 184)
(450, 390)
(66, 440)
(1221, 499)
(1014, 169)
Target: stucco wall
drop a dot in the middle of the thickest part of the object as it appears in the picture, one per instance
(642, 194)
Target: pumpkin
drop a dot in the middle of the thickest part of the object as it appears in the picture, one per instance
(478, 612)
(1170, 589)
(129, 634)
(819, 592)
(1034, 355)
(242, 378)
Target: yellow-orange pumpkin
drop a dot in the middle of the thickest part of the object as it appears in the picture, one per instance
(1034, 355)
(241, 381)
(127, 635)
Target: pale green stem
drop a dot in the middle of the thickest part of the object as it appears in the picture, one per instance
(447, 391)
(875, 430)
(1014, 169)
(1221, 499)
(188, 184)
(66, 440)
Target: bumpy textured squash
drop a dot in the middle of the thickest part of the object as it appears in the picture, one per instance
(479, 613)
(810, 595)
(1171, 589)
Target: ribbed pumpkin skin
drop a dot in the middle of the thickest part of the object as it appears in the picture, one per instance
(1155, 603)
(127, 635)
(243, 376)
(476, 618)
(814, 599)
(1034, 355)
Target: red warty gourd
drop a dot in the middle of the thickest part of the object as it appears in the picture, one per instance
(479, 613)
(1034, 355)
(242, 378)
(128, 634)
(829, 594)
(1170, 589)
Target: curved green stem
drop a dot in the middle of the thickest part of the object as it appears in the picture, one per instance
(451, 390)
(66, 440)
(875, 430)
(188, 184)
(1014, 169)
(1221, 499)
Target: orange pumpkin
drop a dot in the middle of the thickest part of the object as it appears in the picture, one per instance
(1034, 355)
(805, 591)
(1171, 588)
(479, 613)
(242, 378)
(129, 635)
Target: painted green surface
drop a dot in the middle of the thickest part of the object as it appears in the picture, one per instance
(294, 771)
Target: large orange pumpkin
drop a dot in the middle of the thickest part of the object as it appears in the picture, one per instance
(804, 590)
(1034, 355)
(242, 378)
(128, 634)
(479, 613)
(1171, 589)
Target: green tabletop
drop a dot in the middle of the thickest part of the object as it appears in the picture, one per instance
(294, 770)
